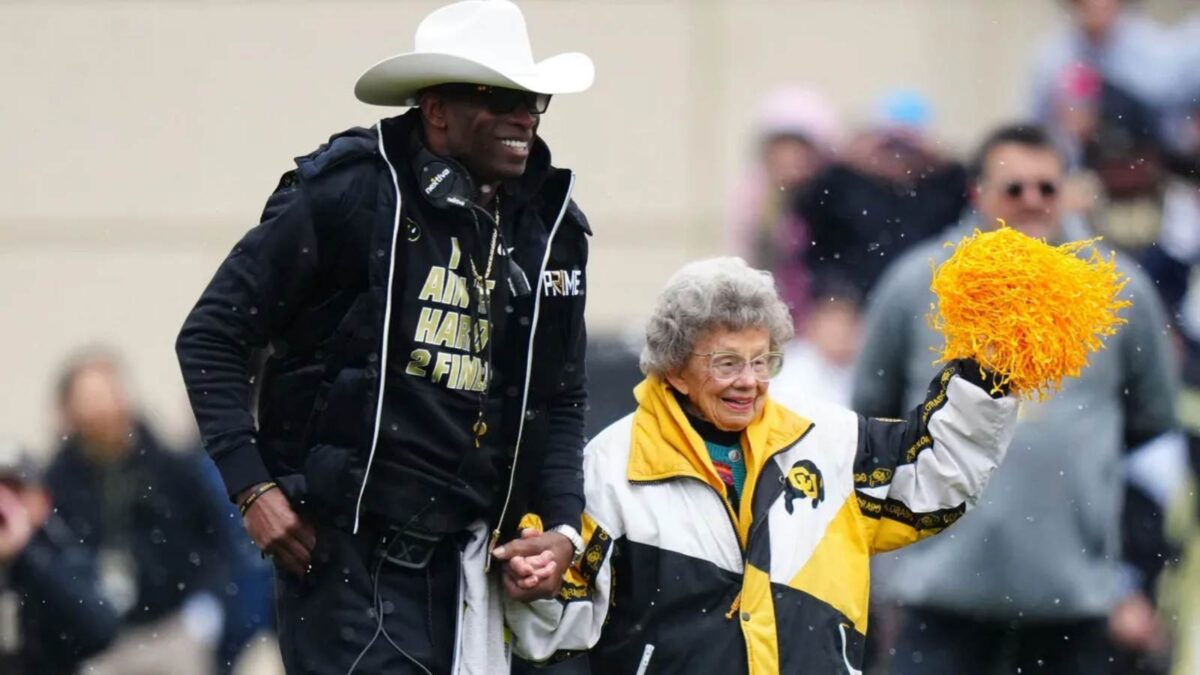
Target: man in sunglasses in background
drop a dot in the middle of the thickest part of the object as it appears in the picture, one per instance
(409, 316)
(1032, 578)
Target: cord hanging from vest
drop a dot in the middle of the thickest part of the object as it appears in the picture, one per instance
(483, 296)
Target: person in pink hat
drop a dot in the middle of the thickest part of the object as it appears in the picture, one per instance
(796, 133)
(408, 318)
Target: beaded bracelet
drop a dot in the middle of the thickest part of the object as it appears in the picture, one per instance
(258, 492)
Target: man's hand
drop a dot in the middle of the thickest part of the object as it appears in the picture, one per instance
(16, 525)
(1134, 625)
(534, 564)
(278, 531)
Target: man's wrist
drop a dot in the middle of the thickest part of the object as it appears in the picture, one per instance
(572, 536)
(253, 494)
(241, 496)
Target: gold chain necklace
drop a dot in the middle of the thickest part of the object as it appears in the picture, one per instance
(480, 427)
(481, 281)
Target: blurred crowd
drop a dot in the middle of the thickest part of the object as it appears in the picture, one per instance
(1082, 556)
(123, 556)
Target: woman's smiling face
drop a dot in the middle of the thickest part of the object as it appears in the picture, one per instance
(729, 404)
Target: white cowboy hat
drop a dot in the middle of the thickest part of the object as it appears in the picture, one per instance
(477, 42)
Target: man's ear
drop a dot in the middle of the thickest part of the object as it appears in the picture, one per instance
(433, 111)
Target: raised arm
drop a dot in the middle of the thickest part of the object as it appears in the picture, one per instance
(915, 477)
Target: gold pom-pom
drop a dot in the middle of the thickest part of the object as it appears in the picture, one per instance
(1028, 312)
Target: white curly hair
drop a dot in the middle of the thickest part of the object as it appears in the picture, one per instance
(707, 294)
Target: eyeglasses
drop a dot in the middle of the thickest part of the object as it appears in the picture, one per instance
(498, 100)
(1047, 189)
(730, 366)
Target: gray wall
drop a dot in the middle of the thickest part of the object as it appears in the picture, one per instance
(141, 138)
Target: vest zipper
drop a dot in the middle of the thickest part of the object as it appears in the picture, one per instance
(387, 323)
(537, 305)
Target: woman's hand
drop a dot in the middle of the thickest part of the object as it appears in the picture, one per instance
(534, 564)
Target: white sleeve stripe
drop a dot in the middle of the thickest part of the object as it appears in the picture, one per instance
(1159, 466)
(970, 436)
(878, 492)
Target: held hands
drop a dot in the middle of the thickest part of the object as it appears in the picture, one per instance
(278, 531)
(534, 564)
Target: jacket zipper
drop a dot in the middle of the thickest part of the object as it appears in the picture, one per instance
(758, 521)
(387, 323)
(537, 305)
(754, 527)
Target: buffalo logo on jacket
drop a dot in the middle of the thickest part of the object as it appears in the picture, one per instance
(804, 481)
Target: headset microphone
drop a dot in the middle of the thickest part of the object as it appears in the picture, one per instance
(446, 184)
(518, 283)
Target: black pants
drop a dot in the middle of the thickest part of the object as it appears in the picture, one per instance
(938, 643)
(327, 620)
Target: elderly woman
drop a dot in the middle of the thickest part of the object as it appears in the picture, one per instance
(728, 534)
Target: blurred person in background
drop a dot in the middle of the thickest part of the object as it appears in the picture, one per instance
(1172, 259)
(891, 188)
(145, 515)
(407, 321)
(1114, 144)
(819, 361)
(1108, 85)
(248, 600)
(51, 616)
(1180, 591)
(1180, 588)
(1179, 241)
(1128, 50)
(1183, 115)
(1032, 579)
(797, 132)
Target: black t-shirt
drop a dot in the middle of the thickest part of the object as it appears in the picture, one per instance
(427, 468)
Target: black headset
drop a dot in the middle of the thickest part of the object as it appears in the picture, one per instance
(446, 184)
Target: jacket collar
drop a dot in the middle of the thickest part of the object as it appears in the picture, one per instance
(664, 444)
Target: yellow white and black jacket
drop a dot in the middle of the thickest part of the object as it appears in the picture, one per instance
(674, 581)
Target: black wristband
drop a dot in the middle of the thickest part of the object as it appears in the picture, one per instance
(258, 492)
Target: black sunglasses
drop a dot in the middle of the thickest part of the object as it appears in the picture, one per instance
(498, 100)
(1048, 189)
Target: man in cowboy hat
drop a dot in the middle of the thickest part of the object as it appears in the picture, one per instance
(416, 293)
